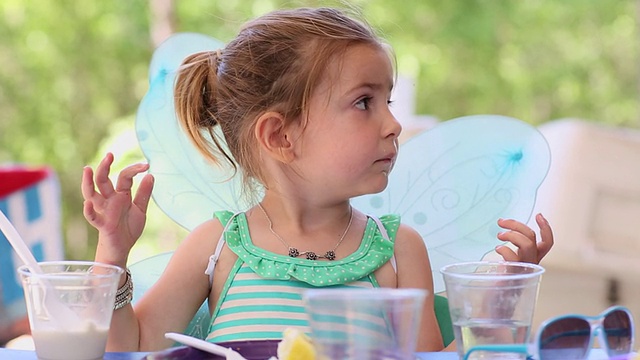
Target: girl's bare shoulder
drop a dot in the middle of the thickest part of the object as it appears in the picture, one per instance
(203, 240)
(408, 240)
(414, 268)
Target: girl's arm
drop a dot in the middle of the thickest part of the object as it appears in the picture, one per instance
(173, 301)
(120, 217)
(414, 271)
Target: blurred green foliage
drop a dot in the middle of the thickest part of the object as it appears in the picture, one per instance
(73, 72)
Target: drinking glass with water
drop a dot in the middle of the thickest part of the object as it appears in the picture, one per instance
(491, 303)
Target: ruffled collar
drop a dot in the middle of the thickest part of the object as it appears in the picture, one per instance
(373, 252)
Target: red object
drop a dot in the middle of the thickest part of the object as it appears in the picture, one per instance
(14, 179)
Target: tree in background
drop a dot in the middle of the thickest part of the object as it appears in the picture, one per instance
(73, 72)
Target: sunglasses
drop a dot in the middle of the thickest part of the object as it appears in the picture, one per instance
(571, 337)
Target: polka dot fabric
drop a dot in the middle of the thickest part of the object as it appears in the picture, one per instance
(373, 252)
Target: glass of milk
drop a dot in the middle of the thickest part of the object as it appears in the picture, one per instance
(70, 304)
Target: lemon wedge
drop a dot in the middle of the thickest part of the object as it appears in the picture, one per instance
(295, 345)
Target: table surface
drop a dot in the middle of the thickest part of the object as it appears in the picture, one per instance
(30, 355)
(595, 354)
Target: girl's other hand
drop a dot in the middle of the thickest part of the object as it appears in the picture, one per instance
(524, 238)
(118, 216)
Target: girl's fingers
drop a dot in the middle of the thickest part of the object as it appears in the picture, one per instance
(90, 214)
(87, 187)
(546, 234)
(517, 239)
(524, 238)
(506, 253)
(144, 192)
(527, 250)
(125, 178)
(104, 185)
(517, 226)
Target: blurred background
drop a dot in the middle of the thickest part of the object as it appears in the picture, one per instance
(72, 74)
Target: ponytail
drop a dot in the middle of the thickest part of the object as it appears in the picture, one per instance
(196, 95)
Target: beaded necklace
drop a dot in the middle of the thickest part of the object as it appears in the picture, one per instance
(310, 255)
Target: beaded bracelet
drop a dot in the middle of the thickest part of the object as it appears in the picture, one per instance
(124, 295)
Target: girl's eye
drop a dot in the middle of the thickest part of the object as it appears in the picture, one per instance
(363, 104)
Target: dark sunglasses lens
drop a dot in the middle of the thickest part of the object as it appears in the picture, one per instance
(566, 338)
(618, 330)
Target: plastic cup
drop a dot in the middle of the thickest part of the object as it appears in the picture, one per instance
(86, 288)
(365, 323)
(491, 303)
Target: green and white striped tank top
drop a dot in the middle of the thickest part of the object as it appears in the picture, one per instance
(263, 294)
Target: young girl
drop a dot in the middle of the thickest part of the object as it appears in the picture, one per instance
(302, 98)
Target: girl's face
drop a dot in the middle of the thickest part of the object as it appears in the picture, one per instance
(351, 140)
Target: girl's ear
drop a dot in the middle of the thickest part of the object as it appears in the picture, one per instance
(274, 137)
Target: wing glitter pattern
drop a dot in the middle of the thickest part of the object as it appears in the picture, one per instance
(451, 183)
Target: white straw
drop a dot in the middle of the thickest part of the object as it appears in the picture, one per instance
(58, 310)
(18, 244)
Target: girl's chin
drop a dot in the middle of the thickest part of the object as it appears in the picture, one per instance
(376, 188)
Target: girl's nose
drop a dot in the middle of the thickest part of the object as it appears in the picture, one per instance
(392, 126)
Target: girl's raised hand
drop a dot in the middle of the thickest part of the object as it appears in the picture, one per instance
(118, 216)
(524, 238)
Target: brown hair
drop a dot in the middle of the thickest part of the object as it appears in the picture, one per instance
(274, 64)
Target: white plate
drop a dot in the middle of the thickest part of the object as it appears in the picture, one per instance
(209, 347)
